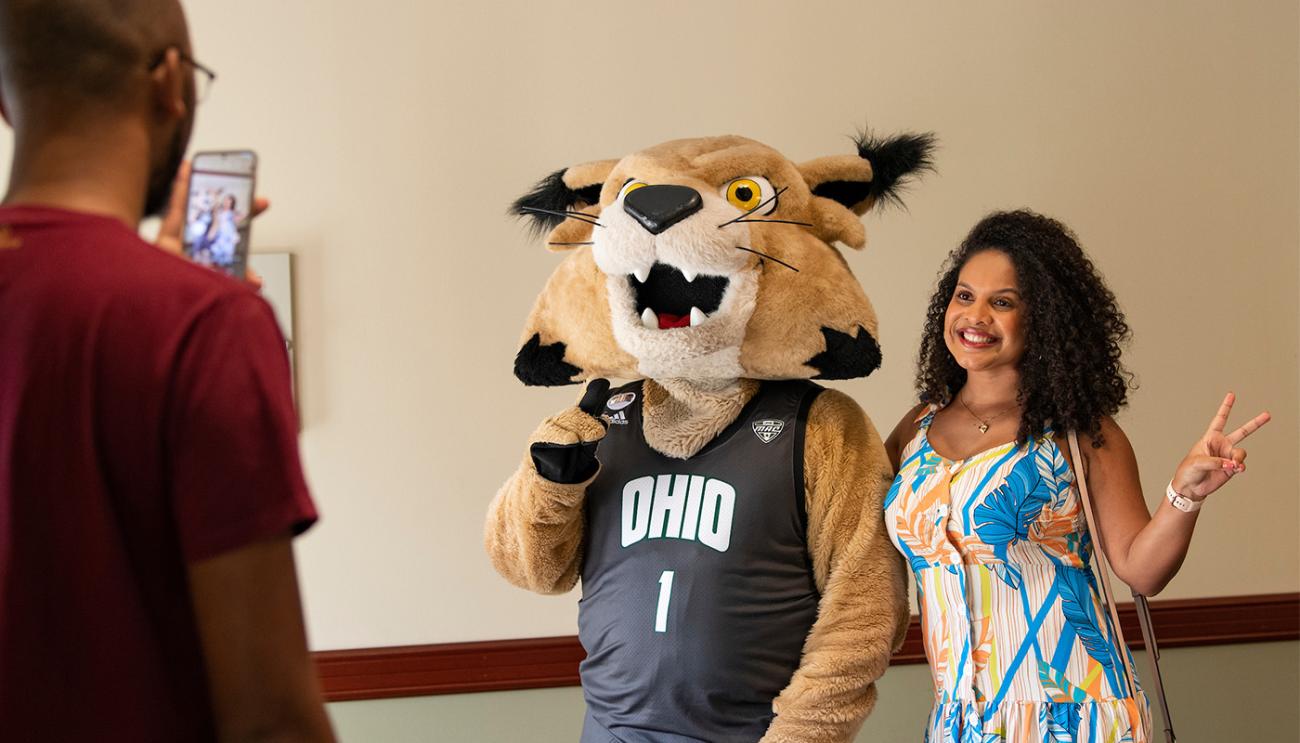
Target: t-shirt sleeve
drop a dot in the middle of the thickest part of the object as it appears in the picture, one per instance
(235, 477)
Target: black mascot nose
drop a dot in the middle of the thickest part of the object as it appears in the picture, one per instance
(659, 207)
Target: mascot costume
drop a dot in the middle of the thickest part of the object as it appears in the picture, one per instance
(723, 511)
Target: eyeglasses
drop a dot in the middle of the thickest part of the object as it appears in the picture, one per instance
(203, 82)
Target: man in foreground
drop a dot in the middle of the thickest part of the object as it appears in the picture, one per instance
(150, 483)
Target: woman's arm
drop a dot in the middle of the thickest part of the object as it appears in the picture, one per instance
(1146, 550)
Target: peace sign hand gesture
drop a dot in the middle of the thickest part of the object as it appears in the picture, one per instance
(1216, 457)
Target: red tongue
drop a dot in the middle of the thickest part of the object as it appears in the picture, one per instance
(668, 320)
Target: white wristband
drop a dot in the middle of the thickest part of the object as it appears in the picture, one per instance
(1181, 502)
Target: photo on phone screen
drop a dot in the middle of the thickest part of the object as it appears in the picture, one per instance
(219, 210)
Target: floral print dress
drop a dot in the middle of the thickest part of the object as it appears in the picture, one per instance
(1020, 646)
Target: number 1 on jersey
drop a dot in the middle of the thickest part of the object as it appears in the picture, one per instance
(665, 595)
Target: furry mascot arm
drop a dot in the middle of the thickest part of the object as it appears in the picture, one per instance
(534, 525)
(863, 614)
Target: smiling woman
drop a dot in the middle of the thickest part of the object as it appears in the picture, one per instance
(1069, 337)
(1023, 334)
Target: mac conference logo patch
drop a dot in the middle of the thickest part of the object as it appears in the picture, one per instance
(768, 430)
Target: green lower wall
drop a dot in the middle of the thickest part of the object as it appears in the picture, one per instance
(1222, 694)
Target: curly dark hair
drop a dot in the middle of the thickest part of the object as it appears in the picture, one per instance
(1070, 374)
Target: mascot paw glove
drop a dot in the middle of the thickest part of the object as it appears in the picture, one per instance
(564, 447)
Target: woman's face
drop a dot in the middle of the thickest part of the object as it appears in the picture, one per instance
(984, 326)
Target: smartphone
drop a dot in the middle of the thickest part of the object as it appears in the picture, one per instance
(220, 209)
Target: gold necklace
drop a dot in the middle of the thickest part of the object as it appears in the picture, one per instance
(984, 424)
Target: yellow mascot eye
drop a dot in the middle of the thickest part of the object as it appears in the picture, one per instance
(744, 193)
(749, 193)
(631, 186)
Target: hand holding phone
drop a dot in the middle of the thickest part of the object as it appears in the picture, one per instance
(219, 210)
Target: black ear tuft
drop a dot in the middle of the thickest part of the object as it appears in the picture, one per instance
(894, 161)
(846, 356)
(544, 366)
(551, 194)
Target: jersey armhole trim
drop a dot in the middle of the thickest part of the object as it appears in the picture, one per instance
(800, 430)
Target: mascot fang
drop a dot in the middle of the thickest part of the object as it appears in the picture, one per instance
(723, 512)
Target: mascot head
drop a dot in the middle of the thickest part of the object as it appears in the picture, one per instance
(709, 258)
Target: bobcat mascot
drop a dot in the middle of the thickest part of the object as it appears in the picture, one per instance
(723, 512)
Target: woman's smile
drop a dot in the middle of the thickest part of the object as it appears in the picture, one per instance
(975, 339)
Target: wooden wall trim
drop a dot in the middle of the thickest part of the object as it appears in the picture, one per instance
(458, 668)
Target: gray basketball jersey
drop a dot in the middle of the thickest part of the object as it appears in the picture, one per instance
(697, 588)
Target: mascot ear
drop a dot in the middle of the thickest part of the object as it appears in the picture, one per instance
(878, 173)
(849, 185)
(572, 189)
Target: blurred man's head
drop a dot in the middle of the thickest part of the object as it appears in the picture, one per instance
(69, 66)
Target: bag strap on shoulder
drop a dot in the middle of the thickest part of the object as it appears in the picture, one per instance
(1140, 601)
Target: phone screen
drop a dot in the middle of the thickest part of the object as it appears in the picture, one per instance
(219, 210)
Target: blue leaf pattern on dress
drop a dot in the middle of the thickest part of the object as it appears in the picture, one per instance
(1005, 516)
(1010, 574)
(1077, 606)
(893, 492)
(926, 466)
(1054, 471)
(953, 733)
(1059, 723)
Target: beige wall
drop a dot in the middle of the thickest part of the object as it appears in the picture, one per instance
(393, 135)
(392, 139)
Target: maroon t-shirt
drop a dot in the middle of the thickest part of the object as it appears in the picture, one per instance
(146, 422)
